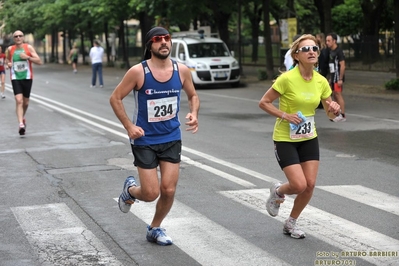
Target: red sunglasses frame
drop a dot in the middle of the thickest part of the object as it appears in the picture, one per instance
(159, 38)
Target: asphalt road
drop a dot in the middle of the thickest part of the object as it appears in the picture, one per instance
(60, 182)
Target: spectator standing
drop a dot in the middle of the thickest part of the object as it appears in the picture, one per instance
(288, 60)
(323, 58)
(19, 58)
(336, 65)
(96, 56)
(324, 54)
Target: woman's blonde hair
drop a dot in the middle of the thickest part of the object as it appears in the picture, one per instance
(321, 40)
(295, 45)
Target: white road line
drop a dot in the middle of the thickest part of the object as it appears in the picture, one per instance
(231, 165)
(204, 240)
(123, 135)
(366, 196)
(215, 171)
(339, 232)
(60, 238)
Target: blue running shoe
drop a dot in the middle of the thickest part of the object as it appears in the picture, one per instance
(157, 235)
(126, 200)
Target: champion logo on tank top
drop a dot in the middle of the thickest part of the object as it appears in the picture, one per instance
(153, 91)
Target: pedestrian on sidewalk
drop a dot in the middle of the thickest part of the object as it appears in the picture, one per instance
(337, 73)
(73, 58)
(19, 58)
(154, 133)
(96, 56)
(323, 58)
(2, 72)
(296, 145)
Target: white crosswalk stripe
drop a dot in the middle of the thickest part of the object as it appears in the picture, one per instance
(208, 243)
(343, 234)
(59, 237)
(366, 196)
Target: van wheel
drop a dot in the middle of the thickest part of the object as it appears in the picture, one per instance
(235, 84)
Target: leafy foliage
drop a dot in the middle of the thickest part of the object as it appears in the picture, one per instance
(393, 84)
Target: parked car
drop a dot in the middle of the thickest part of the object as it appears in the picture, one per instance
(208, 58)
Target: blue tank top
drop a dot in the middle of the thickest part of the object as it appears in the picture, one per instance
(157, 107)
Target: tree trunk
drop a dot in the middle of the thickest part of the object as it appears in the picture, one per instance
(222, 21)
(372, 10)
(396, 49)
(53, 44)
(64, 37)
(108, 48)
(122, 42)
(82, 47)
(146, 23)
(268, 40)
(255, 17)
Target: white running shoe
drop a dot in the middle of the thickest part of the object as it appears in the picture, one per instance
(339, 118)
(157, 235)
(291, 229)
(274, 200)
(126, 200)
(3, 96)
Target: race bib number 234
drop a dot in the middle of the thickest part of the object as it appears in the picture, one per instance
(161, 109)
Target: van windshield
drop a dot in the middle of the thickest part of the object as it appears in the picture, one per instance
(199, 50)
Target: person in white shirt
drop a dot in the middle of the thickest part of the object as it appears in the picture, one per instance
(288, 60)
(96, 56)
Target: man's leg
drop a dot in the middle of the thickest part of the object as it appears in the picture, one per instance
(169, 178)
(19, 104)
(340, 100)
(100, 74)
(94, 74)
(2, 84)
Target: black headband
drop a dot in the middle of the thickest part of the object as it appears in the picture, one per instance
(156, 31)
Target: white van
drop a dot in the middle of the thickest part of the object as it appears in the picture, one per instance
(208, 58)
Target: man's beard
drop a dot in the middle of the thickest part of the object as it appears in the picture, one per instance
(159, 55)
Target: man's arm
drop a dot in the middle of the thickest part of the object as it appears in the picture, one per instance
(341, 69)
(8, 57)
(132, 79)
(34, 57)
(193, 99)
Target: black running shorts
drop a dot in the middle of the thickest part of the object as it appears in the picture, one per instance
(148, 157)
(23, 86)
(289, 153)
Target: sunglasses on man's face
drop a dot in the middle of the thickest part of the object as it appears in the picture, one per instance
(306, 49)
(160, 37)
(18, 36)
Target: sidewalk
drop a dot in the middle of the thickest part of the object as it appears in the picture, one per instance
(358, 83)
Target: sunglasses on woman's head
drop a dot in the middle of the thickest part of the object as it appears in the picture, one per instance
(307, 48)
(160, 37)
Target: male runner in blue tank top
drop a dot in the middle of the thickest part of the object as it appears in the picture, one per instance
(154, 131)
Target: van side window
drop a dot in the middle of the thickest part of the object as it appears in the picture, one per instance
(181, 51)
(173, 53)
